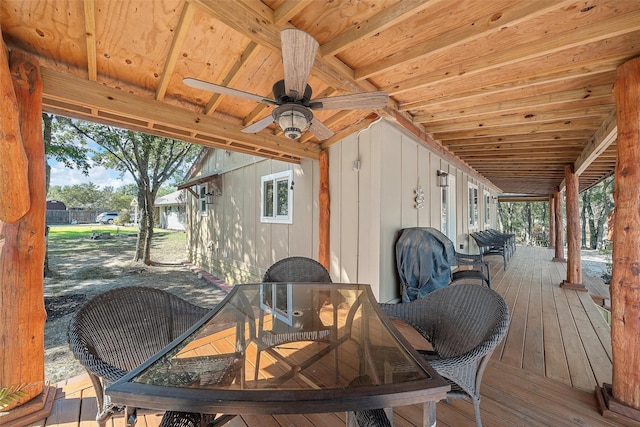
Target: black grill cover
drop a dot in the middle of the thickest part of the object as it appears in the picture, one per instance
(423, 257)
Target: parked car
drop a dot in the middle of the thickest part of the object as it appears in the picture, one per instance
(106, 217)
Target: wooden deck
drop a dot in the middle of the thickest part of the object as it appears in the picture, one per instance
(544, 373)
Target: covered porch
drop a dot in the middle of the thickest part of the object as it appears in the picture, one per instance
(557, 350)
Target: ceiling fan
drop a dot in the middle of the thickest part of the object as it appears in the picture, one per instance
(292, 95)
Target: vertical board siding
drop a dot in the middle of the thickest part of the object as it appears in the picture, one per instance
(349, 197)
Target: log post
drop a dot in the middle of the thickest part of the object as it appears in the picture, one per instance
(552, 222)
(625, 277)
(324, 217)
(22, 245)
(557, 202)
(574, 266)
(13, 160)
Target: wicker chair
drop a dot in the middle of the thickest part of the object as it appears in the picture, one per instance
(118, 330)
(297, 269)
(464, 324)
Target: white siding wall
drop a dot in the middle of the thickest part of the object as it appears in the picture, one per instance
(370, 206)
(370, 203)
(230, 241)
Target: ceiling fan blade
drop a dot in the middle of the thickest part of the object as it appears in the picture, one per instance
(320, 130)
(223, 90)
(259, 125)
(298, 54)
(356, 101)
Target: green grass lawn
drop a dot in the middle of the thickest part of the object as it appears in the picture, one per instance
(60, 233)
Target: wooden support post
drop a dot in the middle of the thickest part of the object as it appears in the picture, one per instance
(13, 160)
(22, 245)
(552, 222)
(324, 217)
(625, 277)
(574, 267)
(557, 202)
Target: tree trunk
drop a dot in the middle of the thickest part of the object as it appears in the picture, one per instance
(625, 278)
(22, 245)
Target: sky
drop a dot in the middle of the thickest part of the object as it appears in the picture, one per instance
(100, 176)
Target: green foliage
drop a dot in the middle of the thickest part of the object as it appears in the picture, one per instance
(124, 217)
(85, 196)
(71, 233)
(11, 394)
(61, 146)
(529, 221)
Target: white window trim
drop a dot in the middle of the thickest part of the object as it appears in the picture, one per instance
(203, 207)
(487, 207)
(275, 178)
(473, 214)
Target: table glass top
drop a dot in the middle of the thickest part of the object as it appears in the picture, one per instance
(288, 337)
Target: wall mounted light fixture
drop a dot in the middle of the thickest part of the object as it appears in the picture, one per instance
(443, 179)
(208, 197)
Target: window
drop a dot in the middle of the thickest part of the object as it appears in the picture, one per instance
(277, 198)
(202, 200)
(487, 208)
(473, 206)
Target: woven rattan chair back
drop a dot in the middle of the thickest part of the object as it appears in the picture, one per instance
(464, 324)
(297, 269)
(118, 330)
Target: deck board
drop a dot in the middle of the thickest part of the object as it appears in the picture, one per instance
(557, 349)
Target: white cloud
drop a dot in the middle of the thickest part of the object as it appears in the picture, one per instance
(98, 175)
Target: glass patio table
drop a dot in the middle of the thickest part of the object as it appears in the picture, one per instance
(283, 348)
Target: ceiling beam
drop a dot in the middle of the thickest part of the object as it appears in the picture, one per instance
(545, 102)
(532, 117)
(388, 17)
(580, 36)
(86, 96)
(483, 26)
(232, 76)
(288, 10)
(188, 10)
(90, 38)
(601, 140)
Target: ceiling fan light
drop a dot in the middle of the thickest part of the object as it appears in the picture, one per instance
(293, 119)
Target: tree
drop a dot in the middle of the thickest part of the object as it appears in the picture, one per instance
(60, 146)
(150, 160)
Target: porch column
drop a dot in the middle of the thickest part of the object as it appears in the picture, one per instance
(557, 203)
(625, 277)
(324, 217)
(574, 267)
(552, 222)
(22, 241)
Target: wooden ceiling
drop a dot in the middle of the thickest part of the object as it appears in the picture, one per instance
(516, 89)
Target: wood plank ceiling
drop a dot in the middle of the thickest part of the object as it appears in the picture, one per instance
(516, 89)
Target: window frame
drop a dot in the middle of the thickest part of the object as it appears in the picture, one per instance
(487, 207)
(473, 211)
(285, 177)
(203, 206)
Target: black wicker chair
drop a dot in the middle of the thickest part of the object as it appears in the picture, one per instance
(464, 324)
(118, 330)
(297, 269)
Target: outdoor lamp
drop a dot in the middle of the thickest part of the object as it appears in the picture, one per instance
(293, 119)
(208, 197)
(443, 179)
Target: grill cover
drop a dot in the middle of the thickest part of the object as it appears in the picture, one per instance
(423, 257)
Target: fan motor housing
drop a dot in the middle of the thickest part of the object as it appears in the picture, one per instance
(281, 97)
